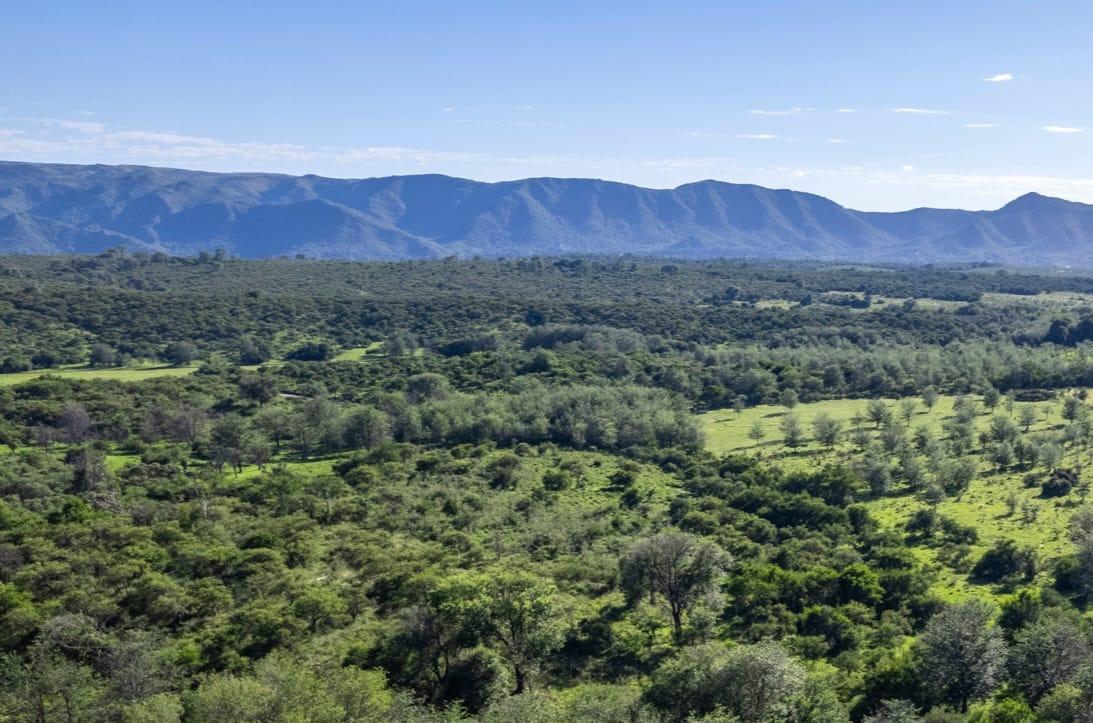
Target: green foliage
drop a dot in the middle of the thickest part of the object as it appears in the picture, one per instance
(437, 484)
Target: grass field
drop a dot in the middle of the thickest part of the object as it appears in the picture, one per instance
(1039, 523)
(121, 374)
(140, 372)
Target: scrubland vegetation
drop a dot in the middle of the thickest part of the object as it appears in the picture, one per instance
(543, 490)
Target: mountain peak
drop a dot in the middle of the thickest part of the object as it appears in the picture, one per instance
(1031, 201)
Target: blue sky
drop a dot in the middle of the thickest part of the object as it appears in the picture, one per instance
(878, 105)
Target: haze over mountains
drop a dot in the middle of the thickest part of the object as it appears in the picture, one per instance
(53, 208)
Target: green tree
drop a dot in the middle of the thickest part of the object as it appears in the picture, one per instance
(793, 435)
(522, 613)
(827, 429)
(1027, 417)
(1047, 652)
(963, 655)
(676, 567)
(877, 412)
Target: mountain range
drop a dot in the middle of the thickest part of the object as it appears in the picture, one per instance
(58, 208)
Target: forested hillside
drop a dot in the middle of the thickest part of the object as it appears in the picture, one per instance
(545, 489)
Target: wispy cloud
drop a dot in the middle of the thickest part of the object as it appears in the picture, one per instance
(1062, 129)
(921, 111)
(847, 110)
(762, 137)
(795, 110)
(71, 125)
(836, 140)
(95, 140)
(907, 168)
(999, 78)
(979, 125)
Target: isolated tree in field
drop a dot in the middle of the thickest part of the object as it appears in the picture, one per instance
(1025, 452)
(793, 435)
(757, 433)
(1049, 455)
(1003, 429)
(787, 398)
(923, 437)
(826, 429)
(956, 475)
(739, 403)
(991, 397)
(929, 398)
(877, 412)
(963, 655)
(877, 474)
(907, 409)
(965, 410)
(1027, 416)
(1002, 455)
(1073, 408)
(675, 567)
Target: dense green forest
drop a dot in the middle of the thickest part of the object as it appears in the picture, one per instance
(587, 489)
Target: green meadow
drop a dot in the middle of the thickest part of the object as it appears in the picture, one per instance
(1034, 521)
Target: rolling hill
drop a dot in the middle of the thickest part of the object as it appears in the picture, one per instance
(55, 208)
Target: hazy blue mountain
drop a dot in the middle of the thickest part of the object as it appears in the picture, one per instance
(53, 208)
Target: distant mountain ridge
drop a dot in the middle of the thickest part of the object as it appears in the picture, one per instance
(56, 208)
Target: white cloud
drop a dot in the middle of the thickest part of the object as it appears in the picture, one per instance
(795, 110)
(847, 110)
(1062, 129)
(71, 125)
(1000, 78)
(761, 136)
(907, 168)
(979, 125)
(148, 146)
(447, 109)
(836, 140)
(921, 111)
(1010, 184)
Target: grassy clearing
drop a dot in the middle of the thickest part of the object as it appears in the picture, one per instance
(141, 372)
(121, 374)
(1036, 522)
(360, 352)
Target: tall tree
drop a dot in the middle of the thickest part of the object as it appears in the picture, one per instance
(676, 567)
(963, 655)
